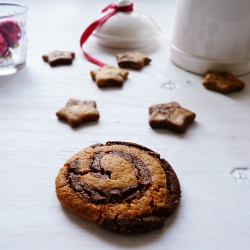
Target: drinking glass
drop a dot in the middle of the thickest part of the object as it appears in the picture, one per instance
(13, 37)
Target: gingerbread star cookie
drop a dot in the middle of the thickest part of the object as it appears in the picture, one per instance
(76, 112)
(170, 116)
(59, 57)
(134, 60)
(222, 82)
(109, 76)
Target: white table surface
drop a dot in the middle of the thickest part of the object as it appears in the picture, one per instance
(214, 211)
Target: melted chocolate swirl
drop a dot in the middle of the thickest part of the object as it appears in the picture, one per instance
(108, 195)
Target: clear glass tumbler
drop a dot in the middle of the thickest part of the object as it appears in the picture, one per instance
(13, 37)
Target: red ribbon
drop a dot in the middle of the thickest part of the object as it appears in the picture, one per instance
(86, 34)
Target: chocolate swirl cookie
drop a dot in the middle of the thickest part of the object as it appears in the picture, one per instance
(120, 186)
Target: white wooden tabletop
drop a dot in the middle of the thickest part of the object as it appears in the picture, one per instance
(214, 211)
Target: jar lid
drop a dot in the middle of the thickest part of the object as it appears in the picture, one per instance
(127, 29)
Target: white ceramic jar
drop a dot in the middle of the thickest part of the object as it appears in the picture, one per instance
(212, 35)
(127, 30)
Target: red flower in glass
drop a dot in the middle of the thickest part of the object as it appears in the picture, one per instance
(11, 31)
(3, 46)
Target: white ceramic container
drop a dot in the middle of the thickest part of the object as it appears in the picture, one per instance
(212, 35)
(127, 29)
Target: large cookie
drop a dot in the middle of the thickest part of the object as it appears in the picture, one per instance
(120, 186)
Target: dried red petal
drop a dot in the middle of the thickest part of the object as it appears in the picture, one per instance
(10, 30)
(4, 49)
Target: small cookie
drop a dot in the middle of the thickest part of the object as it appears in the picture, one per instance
(59, 57)
(77, 112)
(108, 76)
(121, 186)
(222, 82)
(134, 60)
(170, 116)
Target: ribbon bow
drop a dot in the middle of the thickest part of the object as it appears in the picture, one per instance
(111, 10)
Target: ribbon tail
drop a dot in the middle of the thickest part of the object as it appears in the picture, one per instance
(86, 34)
(93, 60)
(110, 6)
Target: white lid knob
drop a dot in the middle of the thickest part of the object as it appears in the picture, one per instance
(124, 2)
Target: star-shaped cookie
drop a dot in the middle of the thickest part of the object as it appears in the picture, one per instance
(76, 112)
(109, 76)
(59, 57)
(223, 82)
(170, 116)
(134, 60)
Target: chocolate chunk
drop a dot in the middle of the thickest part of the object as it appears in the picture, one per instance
(109, 224)
(74, 164)
(96, 145)
(152, 222)
(130, 226)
